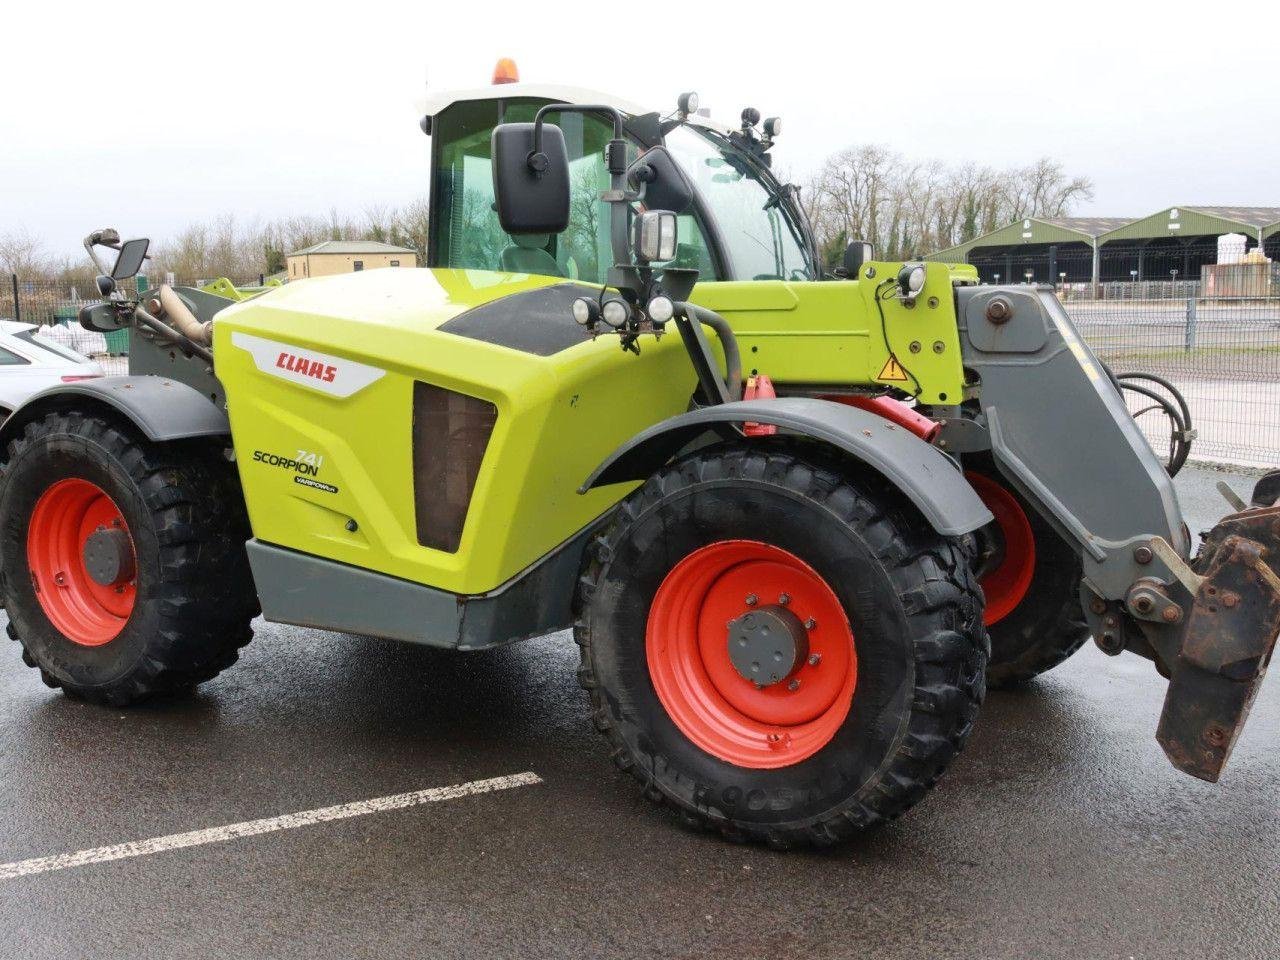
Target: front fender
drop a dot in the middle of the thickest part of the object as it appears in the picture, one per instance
(930, 479)
(161, 408)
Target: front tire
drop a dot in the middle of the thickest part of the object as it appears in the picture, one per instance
(124, 565)
(891, 608)
(1033, 612)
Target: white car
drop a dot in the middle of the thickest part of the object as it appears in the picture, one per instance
(29, 363)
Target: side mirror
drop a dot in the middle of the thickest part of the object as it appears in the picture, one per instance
(530, 178)
(855, 255)
(129, 262)
(663, 183)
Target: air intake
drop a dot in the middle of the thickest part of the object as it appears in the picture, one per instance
(450, 434)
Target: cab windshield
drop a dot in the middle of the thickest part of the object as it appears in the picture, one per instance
(760, 238)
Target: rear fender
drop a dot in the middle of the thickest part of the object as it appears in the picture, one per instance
(932, 481)
(162, 409)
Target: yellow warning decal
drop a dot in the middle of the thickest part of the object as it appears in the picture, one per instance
(892, 370)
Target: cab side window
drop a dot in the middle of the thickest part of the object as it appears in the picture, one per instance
(467, 231)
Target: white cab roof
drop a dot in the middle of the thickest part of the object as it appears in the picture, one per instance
(559, 93)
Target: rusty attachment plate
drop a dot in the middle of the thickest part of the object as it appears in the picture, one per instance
(1227, 641)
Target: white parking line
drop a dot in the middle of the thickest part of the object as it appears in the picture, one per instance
(250, 828)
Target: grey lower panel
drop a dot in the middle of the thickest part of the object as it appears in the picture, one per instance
(311, 591)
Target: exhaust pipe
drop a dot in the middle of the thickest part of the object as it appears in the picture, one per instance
(183, 319)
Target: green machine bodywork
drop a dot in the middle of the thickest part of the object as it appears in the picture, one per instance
(558, 416)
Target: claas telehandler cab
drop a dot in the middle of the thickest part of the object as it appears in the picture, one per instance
(798, 518)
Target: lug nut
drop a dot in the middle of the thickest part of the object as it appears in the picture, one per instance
(1215, 736)
(810, 623)
(59, 578)
(784, 598)
(752, 599)
(815, 659)
(793, 686)
(1110, 644)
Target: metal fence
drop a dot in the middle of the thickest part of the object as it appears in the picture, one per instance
(1223, 354)
(55, 308)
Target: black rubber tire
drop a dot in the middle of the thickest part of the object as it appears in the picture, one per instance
(912, 601)
(1048, 625)
(185, 511)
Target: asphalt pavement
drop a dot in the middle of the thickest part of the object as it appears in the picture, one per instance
(1060, 832)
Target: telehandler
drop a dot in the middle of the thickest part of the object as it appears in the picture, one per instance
(797, 519)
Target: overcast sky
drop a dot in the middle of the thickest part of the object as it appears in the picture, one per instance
(146, 116)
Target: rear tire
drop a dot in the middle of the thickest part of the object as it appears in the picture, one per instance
(184, 613)
(910, 606)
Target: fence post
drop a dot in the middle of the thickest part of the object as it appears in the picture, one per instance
(17, 307)
(1189, 337)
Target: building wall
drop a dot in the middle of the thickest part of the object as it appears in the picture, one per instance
(327, 264)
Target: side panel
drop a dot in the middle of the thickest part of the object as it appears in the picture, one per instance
(831, 333)
(327, 464)
(1059, 429)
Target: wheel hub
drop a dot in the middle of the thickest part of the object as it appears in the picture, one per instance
(767, 645)
(759, 685)
(82, 561)
(108, 557)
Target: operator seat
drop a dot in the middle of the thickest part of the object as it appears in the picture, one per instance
(528, 255)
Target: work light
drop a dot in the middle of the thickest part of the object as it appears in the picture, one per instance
(615, 313)
(687, 103)
(586, 311)
(655, 237)
(661, 309)
(911, 280)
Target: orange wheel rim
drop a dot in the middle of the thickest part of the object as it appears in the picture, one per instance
(788, 711)
(1007, 584)
(76, 537)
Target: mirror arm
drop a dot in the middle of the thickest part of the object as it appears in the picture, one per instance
(615, 156)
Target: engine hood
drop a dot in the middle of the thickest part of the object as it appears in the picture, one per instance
(411, 300)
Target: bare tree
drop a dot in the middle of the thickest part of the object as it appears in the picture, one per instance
(23, 254)
(908, 208)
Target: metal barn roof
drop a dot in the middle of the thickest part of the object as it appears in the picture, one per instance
(1194, 221)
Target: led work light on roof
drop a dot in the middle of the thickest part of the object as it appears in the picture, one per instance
(687, 104)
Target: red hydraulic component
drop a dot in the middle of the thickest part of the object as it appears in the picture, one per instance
(759, 387)
(895, 411)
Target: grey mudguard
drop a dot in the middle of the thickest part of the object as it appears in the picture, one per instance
(161, 408)
(929, 478)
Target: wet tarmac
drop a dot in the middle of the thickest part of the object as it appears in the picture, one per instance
(1060, 832)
